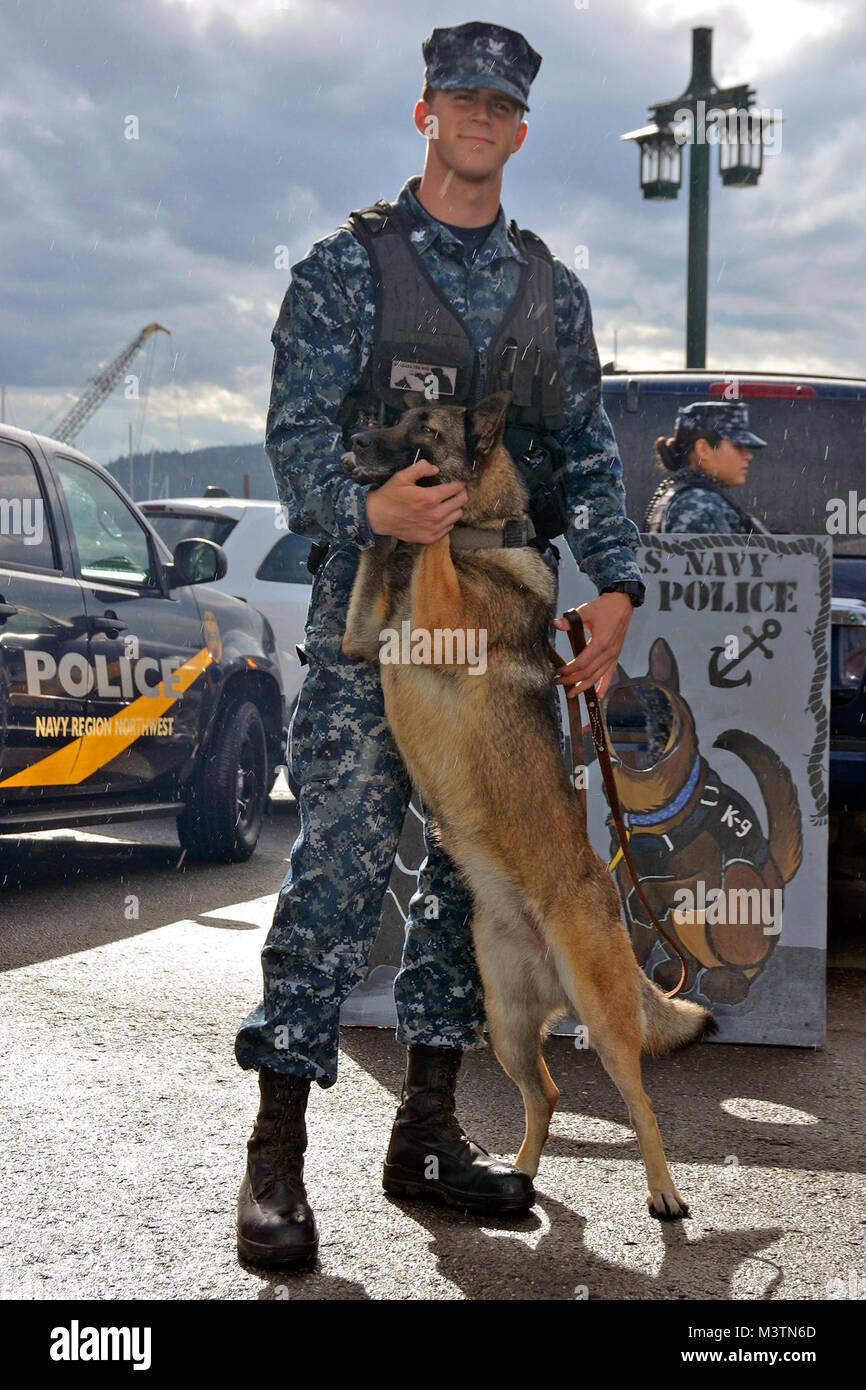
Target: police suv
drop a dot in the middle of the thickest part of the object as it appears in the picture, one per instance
(126, 690)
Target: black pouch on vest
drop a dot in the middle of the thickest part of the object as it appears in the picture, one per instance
(542, 468)
(317, 553)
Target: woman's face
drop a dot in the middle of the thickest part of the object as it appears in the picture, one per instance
(728, 463)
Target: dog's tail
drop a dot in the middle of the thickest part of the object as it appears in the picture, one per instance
(779, 793)
(671, 1023)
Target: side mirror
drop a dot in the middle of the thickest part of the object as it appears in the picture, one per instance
(197, 561)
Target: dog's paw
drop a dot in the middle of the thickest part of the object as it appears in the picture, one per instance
(526, 1164)
(667, 1204)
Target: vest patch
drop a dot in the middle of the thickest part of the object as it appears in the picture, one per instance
(433, 380)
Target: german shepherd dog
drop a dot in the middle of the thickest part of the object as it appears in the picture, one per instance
(484, 753)
(691, 831)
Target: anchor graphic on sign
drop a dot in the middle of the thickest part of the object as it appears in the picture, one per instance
(719, 675)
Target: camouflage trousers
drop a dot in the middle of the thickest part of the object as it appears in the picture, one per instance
(353, 792)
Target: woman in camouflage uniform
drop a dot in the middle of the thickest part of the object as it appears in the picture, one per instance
(711, 449)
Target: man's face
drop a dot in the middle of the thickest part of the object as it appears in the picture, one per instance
(476, 130)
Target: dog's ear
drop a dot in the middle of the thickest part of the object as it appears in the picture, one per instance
(663, 665)
(413, 399)
(486, 422)
(619, 677)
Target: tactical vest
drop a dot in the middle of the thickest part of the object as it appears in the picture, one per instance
(420, 343)
(677, 482)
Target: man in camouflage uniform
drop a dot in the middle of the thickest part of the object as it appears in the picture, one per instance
(691, 498)
(353, 788)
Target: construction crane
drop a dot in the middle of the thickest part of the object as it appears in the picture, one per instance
(98, 387)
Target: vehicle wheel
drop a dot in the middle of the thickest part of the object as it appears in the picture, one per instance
(222, 819)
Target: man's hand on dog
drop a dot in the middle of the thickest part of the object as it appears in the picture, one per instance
(606, 620)
(423, 514)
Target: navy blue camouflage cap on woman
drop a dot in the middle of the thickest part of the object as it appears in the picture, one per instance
(730, 419)
(710, 449)
(481, 55)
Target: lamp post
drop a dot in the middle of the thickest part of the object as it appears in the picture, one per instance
(705, 114)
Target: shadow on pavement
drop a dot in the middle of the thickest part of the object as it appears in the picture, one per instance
(298, 1286)
(551, 1261)
(65, 895)
(687, 1090)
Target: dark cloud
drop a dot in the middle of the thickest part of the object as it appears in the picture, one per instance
(256, 135)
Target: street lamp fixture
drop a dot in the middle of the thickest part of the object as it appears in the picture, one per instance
(741, 148)
(661, 161)
(701, 116)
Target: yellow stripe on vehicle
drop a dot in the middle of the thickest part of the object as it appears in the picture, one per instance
(80, 759)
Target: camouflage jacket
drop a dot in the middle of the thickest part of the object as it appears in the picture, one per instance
(322, 340)
(688, 500)
(704, 511)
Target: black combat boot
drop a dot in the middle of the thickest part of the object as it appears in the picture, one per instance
(430, 1157)
(275, 1223)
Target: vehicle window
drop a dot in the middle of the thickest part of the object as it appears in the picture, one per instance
(112, 543)
(175, 526)
(849, 576)
(286, 562)
(849, 660)
(25, 527)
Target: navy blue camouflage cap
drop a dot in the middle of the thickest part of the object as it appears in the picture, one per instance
(481, 55)
(730, 419)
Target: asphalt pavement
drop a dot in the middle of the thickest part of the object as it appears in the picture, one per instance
(124, 974)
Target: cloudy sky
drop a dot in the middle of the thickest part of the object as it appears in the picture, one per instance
(262, 122)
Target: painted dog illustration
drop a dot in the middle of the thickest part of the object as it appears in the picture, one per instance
(703, 859)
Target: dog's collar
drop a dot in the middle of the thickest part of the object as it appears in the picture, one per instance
(674, 807)
(509, 534)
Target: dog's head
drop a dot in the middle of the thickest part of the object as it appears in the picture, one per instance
(460, 440)
(651, 711)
